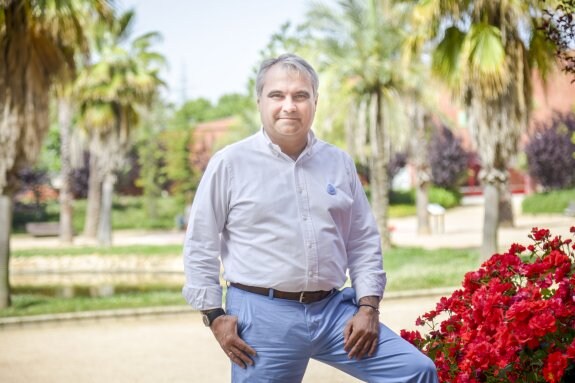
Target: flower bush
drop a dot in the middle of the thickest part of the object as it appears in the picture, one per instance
(513, 320)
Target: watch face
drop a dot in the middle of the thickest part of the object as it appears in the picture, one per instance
(206, 320)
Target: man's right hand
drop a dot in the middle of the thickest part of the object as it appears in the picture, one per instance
(225, 329)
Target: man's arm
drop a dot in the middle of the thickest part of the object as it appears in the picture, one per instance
(201, 253)
(202, 259)
(368, 278)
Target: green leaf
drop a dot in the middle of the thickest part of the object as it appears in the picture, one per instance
(486, 50)
(447, 56)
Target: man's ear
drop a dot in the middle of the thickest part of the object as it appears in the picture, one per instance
(316, 97)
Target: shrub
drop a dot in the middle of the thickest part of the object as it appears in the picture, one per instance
(550, 153)
(513, 320)
(444, 197)
(447, 198)
(447, 158)
(555, 201)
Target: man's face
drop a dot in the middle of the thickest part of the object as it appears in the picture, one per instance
(287, 105)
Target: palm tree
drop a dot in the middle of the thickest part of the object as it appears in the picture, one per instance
(65, 114)
(486, 51)
(38, 40)
(360, 46)
(112, 92)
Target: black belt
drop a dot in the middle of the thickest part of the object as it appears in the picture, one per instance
(301, 296)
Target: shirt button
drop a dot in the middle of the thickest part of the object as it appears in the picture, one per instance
(311, 273)
(305, 218)
(309, 245)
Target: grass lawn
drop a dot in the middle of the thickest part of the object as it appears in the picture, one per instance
(407, 269)
(555, 201)
(416, 268)
(37, 304)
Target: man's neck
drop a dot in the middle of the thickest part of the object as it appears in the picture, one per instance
(294, 153)
(291, 149)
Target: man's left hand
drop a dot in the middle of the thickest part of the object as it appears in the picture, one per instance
(361, 334)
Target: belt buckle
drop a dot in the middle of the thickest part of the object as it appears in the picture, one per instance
(301, 297)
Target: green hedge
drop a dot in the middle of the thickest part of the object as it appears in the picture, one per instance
(444, 197)
(549, 202)
(127, 213)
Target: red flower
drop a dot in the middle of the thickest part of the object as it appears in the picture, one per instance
(512, 321)
(571, 350)
(540, 234)
(554, 368)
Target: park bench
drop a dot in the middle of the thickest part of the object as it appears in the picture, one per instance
(43, 229)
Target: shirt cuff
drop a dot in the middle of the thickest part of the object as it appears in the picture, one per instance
(203, 298)
(367, 288)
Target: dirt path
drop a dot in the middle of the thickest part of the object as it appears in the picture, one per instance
(170, 349)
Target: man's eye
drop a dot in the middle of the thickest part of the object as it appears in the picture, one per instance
(301, 97)
(275, 95)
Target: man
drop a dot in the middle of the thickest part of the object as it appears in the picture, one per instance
(287, 215)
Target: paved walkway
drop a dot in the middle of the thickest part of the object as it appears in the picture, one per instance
(156, 349)
(464, 225)
(176, 347)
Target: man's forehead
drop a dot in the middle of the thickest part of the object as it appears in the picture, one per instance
(292, 74)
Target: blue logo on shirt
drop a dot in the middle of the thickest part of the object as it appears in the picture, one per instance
(331, 189)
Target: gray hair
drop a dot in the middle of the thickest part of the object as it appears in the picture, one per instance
(288, 61)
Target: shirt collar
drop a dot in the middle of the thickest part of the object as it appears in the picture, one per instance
(311, 140)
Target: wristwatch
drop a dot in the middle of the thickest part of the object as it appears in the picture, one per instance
(209, 316)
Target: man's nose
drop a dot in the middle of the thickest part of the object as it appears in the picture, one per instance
(289, 105)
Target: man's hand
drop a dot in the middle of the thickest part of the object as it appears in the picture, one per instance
(225, 329)
(361, 334)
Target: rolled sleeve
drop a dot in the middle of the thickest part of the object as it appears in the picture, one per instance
(365, 259)
(201, 253)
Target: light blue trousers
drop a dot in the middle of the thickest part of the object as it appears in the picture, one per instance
(286, 334)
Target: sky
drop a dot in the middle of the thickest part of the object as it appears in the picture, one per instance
(212, 46)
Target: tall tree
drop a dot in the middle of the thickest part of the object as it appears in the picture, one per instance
(65, 115)
(486, 51)
(360, 44)
(151, 179)
(112, 93)
(38, 40)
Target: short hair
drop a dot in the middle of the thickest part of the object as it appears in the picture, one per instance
(289, 61)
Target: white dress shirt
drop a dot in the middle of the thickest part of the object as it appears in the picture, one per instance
(278, 223)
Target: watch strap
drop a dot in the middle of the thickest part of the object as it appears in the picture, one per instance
(211, 315)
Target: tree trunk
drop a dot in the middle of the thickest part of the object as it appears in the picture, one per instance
(350, 131)
(66, 198)
(420, 152)
(5, 229)
(490, 220)
(105, 225)
(506, 218)
(94, 199)
(379, 177)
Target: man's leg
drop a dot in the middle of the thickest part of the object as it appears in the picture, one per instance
(277, 330)
(395, 361)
